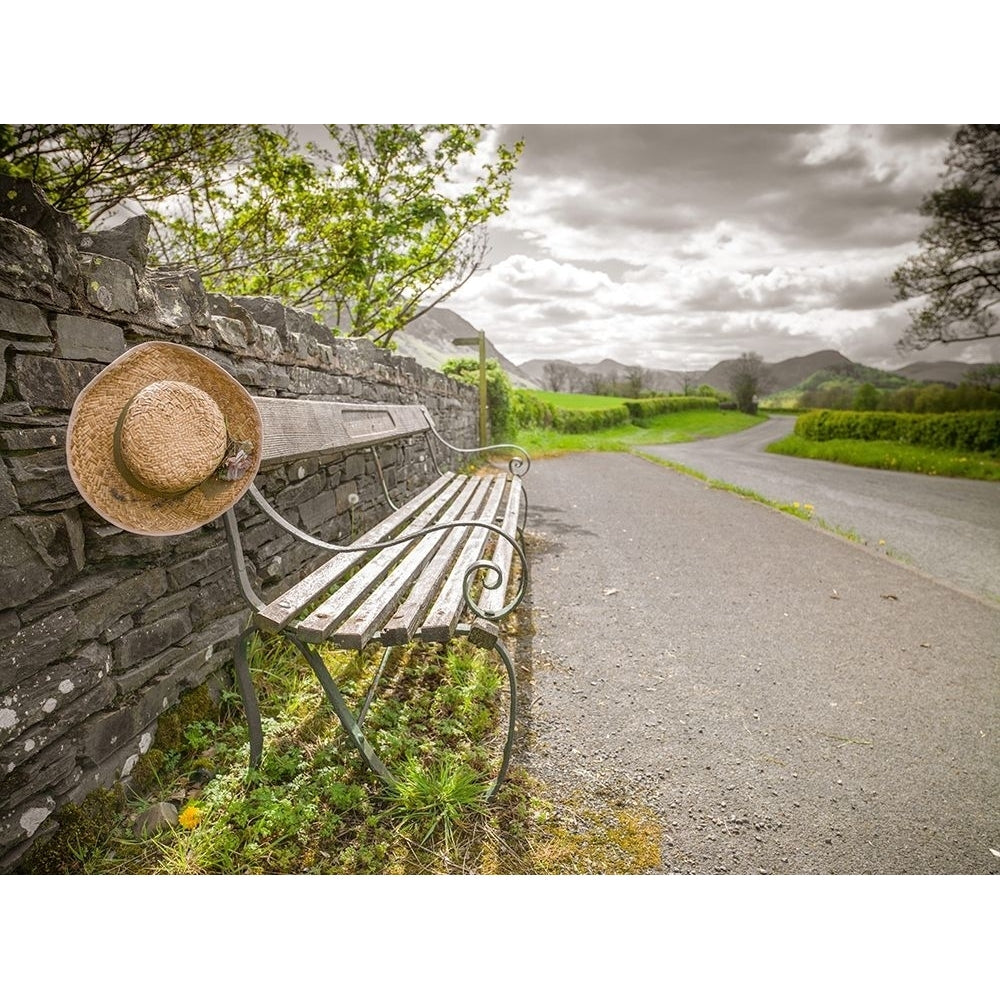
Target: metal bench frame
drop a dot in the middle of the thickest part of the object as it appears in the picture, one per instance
(432, 574)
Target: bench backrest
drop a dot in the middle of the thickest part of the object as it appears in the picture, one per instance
(297, 428)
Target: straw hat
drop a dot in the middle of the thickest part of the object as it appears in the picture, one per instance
(163, 440)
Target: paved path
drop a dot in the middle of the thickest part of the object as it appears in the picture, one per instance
(949, 528)
(785, 701)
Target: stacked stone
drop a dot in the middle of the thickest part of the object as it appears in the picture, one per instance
(102, 631)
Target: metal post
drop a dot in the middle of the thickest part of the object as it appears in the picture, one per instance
(479, 341)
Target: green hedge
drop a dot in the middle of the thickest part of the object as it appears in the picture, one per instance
(968, 431)
(584, 421)
(655, 405)
(529, 410)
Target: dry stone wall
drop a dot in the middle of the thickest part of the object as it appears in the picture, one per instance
(102, 631)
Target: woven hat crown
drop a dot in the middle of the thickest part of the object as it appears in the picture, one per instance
(172, 436)
(163, 440)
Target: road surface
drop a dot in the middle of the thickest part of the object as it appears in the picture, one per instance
(782, 700)
(948, 528)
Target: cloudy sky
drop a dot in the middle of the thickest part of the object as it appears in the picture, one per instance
(676, 246)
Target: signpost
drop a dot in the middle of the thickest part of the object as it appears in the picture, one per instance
(479, 341)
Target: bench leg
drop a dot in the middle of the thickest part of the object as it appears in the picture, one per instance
(501, 651)
(366, 704)
(251, 708)
(350, 723)
(344, 714)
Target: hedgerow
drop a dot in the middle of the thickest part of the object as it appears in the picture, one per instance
(529, 410)
(969, 431)
(655, 405)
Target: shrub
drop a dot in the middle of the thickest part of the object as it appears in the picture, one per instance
(498, 392)
(528, 409)
(584, 421)
(966, 431)
(642, 408)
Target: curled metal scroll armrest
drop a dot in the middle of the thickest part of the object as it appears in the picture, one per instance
(494, 578)
(518, 465)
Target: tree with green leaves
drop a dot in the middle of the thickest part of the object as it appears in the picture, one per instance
(866, 397)
(92, 171)
(369, 229)
(499, 392)
(956, 271)
(748, 378)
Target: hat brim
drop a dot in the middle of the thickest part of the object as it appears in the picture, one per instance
(90, 441)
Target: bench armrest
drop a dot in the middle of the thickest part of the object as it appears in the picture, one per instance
(518, 465)
(494, 576)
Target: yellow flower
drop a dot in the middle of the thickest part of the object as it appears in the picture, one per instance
(190, 817)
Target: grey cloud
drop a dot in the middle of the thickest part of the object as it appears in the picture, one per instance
(874, 292)
(562, 312)
(675, 178)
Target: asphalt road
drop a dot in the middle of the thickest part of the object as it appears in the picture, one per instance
(781, 699)
(948, 528)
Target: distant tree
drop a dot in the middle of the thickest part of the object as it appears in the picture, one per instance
(957, 268)
(748, 380)
(555, 376)
(635, 381)
(689, 383)
(987, 377)
(598, 385)
(866, 397)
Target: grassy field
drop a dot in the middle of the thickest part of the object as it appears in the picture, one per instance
(667, 428)
(577, 400)
(892, 456)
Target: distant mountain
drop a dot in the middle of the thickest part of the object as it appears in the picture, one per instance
(579, 375)
(782, 375)
(429, 340)
(946, 372)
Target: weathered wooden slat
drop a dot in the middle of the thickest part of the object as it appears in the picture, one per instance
(284, 608)
(356, 631)
(439, 625)
(403, 624)
(297, 428)
(503, 553)
(325, 618)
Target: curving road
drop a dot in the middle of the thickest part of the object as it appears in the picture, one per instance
(947, 528)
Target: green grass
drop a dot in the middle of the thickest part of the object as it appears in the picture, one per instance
(892, 456)
(577, 400)
(667, 428)
(312, 807)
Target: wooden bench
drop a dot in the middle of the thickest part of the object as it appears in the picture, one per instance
(446, 562)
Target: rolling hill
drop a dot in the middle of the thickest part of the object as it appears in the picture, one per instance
(429, 340)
